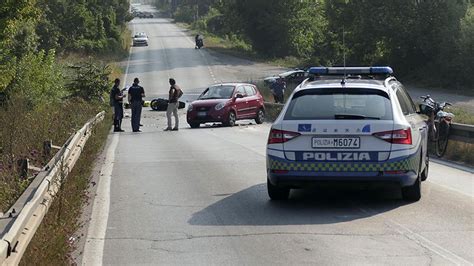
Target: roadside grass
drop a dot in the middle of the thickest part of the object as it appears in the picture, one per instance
(461, 116)
(24, 130)
(459, 152)
(52, 243)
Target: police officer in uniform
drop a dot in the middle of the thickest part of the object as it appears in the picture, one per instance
(135, 98)
(116, 98)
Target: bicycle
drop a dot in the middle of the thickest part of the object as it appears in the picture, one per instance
(439, 123)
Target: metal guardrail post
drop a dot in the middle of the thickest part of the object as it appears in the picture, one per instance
(20, 229)
(23, 167)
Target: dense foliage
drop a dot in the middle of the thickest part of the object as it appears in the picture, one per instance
(33, 31)
(40, 97)
(419, 38)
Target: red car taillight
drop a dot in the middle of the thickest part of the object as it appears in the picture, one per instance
(400, 136)
(281, 136)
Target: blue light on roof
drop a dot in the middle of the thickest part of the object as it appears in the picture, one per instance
(381, 70)
(351, 70)
(318, 70)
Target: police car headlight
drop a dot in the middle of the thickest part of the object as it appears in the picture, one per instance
(219, 106)
(190, 107)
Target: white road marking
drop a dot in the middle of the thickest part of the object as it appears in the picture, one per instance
(94, 246)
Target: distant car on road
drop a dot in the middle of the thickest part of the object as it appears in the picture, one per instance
(140, 39)
(293, 76)
(364, 127)
(226, 103)
(145, 15)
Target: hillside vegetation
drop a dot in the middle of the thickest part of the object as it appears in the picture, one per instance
(41, 97)
(423, 40)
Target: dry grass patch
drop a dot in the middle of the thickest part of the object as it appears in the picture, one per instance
(51, 244)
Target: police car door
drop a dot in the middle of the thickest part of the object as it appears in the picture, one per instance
(417, 124)
(338, 125)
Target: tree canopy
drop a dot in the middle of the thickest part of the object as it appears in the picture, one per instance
(419, 38)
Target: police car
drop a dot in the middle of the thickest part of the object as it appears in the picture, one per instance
(348, 124)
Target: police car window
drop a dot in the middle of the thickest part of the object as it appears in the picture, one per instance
(335, 103)
(403, 102)
(249, 90)
(409, 101)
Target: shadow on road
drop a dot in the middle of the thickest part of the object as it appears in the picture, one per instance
(326, 204)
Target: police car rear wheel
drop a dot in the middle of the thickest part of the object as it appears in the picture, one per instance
(277, 193)
(413, 192)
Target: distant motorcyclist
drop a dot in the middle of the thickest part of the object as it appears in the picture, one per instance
(199, 41)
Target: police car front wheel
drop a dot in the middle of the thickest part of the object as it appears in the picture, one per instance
(277, 193)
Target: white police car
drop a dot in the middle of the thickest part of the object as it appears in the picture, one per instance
(348, 124)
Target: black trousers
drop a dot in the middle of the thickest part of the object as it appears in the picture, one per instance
(118, 115)
(136, 114)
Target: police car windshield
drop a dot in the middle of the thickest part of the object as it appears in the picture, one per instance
(217, 92)
(337, 103)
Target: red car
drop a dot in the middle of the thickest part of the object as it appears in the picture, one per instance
(227, 103)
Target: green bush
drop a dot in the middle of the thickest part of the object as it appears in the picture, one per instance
(91, 81)
(185, 14)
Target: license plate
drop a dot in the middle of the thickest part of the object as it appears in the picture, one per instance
(201, 113)
(336, 143)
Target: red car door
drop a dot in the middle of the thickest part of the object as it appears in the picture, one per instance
(252, 100)
(241, 104)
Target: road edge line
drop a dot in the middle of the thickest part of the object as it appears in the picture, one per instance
(95, 239)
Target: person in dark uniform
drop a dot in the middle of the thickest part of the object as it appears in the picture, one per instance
(135, 98)
(116, 97)
(278, 90)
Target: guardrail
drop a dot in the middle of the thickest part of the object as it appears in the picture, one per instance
(458, 132)
(19, 224)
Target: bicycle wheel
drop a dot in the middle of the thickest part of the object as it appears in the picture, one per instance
(442, 138)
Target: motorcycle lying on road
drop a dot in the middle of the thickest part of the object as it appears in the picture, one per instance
(161, 104)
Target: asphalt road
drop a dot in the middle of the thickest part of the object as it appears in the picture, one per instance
(198, 196)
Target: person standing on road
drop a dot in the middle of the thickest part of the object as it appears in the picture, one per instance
(278, 90)
(116, 98)
(174, 94)
(135, 98)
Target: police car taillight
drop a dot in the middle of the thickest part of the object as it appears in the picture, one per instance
(281, 136)
(401, 136)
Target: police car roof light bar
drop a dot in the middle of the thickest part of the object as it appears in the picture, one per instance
(378, 70)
